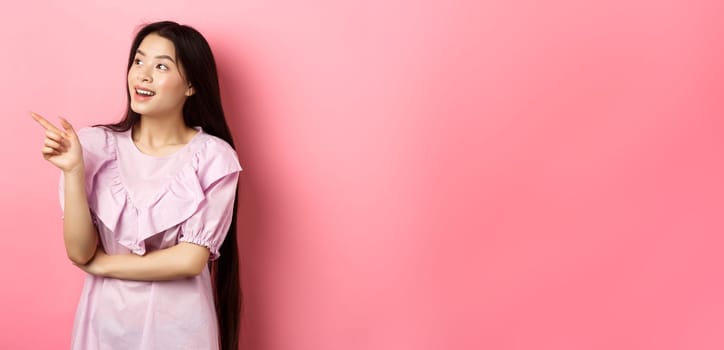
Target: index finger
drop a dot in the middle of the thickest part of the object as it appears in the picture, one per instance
(46, 124)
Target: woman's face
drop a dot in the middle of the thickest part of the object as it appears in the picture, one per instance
(155, 80)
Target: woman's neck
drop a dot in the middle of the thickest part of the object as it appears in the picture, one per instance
(156, 133)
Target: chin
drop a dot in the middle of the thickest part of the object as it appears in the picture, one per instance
(136, 109)
(139, 109)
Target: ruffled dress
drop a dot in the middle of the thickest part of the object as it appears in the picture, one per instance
(140, 203)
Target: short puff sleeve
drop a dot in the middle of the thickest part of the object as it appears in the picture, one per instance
(209, 225)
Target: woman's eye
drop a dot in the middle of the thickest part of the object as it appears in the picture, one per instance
(162, 66)
(137, 61)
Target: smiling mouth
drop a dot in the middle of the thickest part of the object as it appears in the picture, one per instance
(142, 92)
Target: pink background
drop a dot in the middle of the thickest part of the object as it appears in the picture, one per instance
(418, 174)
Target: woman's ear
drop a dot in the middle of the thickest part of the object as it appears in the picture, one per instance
(190, 90)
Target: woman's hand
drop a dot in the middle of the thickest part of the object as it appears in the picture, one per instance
(61, 147)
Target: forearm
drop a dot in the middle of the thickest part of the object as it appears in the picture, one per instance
(180, 261)
(79, 234)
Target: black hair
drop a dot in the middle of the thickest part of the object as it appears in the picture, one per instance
(203, 109)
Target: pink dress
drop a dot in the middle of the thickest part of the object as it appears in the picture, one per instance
(140, 203)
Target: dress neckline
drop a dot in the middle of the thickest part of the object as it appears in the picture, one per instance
(134, 147)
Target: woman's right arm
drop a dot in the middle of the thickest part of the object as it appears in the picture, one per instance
(62, 148)
(79, 233)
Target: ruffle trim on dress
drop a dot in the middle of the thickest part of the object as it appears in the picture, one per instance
(131, 225)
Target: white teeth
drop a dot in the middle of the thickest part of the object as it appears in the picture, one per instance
(145, 92)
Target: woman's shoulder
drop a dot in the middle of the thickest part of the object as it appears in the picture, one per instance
(216, 147)
(215, 158)
(96, 139)
(92, 133)
(97, 134)
(216, 143)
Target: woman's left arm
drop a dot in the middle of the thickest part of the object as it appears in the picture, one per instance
(180, 261)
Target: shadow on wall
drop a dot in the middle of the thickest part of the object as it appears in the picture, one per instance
(255, 200)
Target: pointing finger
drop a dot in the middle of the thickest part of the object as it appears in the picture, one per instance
(44, 123)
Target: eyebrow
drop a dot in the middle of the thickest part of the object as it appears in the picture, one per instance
(159, 56)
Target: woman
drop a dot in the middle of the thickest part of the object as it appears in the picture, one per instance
(148, 201)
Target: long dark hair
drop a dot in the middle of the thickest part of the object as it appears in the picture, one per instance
(203, 109)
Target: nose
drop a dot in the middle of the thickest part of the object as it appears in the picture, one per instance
(142, 75)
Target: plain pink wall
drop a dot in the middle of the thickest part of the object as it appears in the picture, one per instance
(418, 174)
